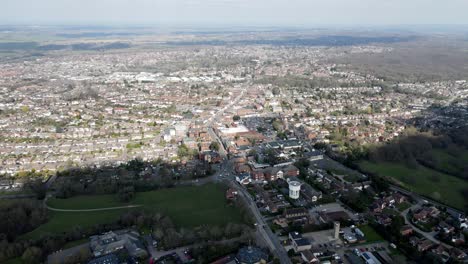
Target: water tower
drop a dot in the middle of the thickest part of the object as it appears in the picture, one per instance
(294, 189)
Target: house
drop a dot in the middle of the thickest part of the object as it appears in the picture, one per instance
(231, 194)
(309, 257)
(406, 230)
(442, 252)
(272, 174)
(425, 212)
(291, 171)
(446, 228)
(242, 168)
(424, 245)
(244, 178)
(258, 175)
(399, 198)
(378, 206)
(310, 194)
(272, 207)
(458, 255)
(384, 219)
(295, 213)
(210, 157)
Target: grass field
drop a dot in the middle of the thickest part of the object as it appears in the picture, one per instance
(187, 207)
(448, 163)
(63, 221)
(370, 234)
(15, 261)
(439, 186)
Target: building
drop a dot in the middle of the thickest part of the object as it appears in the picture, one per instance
(231, 194)
(314, 155)
(251, 255)
(310, 194)
(327, 217)
(336, 230)
(295, 213)
(406, 230)
(244, 178)
(299, 243)
(294, 189)
(309, 257)
(111, 242)
(107, 259)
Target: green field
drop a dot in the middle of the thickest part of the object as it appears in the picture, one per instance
(63, 221)
(370, 234)
(187, 207)
(439, 186)
(448, 163)
(15, 261)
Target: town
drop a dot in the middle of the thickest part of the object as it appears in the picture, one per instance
(228, 154)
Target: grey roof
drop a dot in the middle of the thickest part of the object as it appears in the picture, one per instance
(107, 259)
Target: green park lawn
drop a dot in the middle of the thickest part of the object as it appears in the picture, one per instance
(186, 206)
(445, 161)
(15, 261)
(370, 234)
(422, 180)
(64, 221)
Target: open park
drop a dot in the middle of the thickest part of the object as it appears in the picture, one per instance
(186, 206)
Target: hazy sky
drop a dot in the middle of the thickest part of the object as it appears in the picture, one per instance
(235, 12)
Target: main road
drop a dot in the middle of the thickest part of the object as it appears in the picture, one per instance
(263, 228)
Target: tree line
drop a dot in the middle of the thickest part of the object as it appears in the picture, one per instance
(440, 150)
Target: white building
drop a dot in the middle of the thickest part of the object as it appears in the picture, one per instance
(294, 189)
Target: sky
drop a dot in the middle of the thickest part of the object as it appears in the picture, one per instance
(235, 12)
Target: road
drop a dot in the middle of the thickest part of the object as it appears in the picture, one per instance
(428, 235)
(270, 238)
(226, 170)
(419, 198)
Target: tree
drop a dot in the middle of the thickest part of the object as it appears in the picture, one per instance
(126, 194)
(32, 255)
(183, 151)
(214, 146)
(275, 91)
(236, 118)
